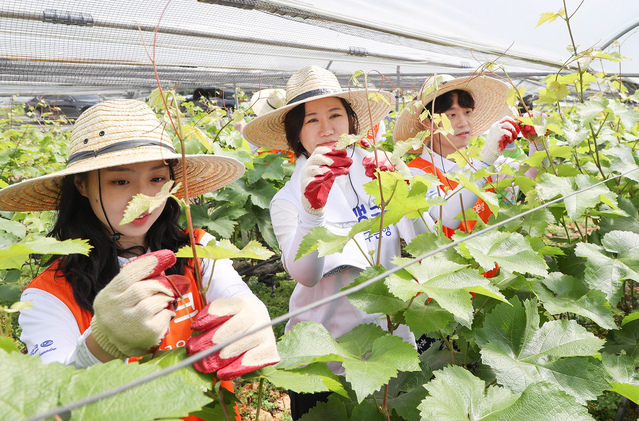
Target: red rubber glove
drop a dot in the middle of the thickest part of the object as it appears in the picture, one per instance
(530, 132)
(500, 135)
(224, 319)
(386, 163)
(132, 313)
(318, 176)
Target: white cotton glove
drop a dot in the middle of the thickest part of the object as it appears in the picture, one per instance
(132, 313)
(500, 135)
(318, 176)
(386, 163)
(224, 319)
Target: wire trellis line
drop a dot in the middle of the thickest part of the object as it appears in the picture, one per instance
(196, 357)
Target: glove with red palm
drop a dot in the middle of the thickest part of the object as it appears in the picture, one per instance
(224, 319)
(385, 162)
(530, 132)
(500, 135)
(318, 176)
(132, 313)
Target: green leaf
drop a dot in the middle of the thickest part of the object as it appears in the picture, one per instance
(565, 294)
(449, 284)
(604, 270)
(455, 394)
(310, 342)
(13, 227)
(167, 396)
(375, 298)
(520, 353)
(510, 251)
(542, 402)
(624, 340)
(550, 17)
(424, 318)
(7, 345)
(630, 318)
(313, 378)
(401, 201)
(30, 387)
(320, 238)
(18, 253)
(306, 343)
(389, 354)
(333, 409)
(224, 249)
(142, 203)
(623, 374)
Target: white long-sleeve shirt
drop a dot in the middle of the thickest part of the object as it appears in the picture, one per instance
(50, 330)
(320, 277)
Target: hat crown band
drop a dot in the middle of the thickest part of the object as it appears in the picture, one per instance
(115, 147)
(312, 93)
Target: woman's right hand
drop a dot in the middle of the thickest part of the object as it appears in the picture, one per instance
(132, 313)
(318, 176)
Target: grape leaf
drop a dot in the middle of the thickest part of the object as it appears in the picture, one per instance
(320, 238)
(16, 255)
(521, 353)
(561, 293)
(142, 203)
(624, 377)
(313, 378)
(624, 340)
(510, 251)
(375, 298)
(224, 249)
(30, 387)
(370, 355)
(455, 394)
(604, 272)
(167, 396)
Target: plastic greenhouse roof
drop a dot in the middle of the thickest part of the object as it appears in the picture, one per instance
(49, 46)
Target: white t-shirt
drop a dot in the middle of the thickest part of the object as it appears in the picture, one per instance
(50, 330)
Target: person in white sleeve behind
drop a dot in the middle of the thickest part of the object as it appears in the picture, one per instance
(131, 295)
(326, 189)
(473, 106)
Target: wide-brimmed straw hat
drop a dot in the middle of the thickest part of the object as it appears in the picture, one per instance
(308, 84)
(113, 133)
(267, 100)
(490, 103)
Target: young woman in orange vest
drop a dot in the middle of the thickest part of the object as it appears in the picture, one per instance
(120, 301)
(473, 105)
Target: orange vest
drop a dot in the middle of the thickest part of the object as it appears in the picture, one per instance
(482, 209)
(53, 282)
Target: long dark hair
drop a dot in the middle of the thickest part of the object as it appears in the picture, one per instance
(89, 274)
(294, 120)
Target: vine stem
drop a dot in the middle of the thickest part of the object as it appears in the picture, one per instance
(178, 131)
(260, 390)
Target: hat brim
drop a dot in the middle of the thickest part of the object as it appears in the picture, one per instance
(267, 131)
(205, 173)
(490, 105)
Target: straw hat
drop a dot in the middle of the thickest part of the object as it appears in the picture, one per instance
(490, 103)
(267, 100)
(113, 133)
(308, 84)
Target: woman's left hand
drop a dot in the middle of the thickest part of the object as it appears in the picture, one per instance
(385, 162)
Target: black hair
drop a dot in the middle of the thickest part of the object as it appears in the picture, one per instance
(444, 101)
(89, 274)
(294, 120)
